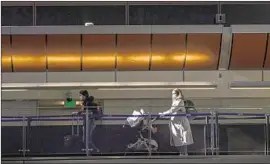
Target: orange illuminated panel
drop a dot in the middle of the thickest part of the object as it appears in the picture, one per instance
(133, 52)
(203, 51)
(248, 51)
(98, 52)
(168, 51)
(28, 53)
(64, 52)
(267, 59)
(6, 54)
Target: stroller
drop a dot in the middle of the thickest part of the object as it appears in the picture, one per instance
(143, 143)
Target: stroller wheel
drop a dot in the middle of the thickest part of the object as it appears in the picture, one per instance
(129, 146)
(153, 145)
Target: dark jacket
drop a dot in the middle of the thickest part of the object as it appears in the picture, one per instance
(90, 105)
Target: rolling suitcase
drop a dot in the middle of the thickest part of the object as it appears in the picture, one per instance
(74, 142)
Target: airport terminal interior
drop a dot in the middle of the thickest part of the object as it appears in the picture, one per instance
(125, 81)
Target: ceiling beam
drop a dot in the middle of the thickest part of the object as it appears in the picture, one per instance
(225, 51)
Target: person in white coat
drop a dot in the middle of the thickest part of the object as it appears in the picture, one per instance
(180, 131)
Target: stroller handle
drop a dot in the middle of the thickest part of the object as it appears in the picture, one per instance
(124, 125)
(156, 118)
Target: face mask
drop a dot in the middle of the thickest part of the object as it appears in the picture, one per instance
(174, 96)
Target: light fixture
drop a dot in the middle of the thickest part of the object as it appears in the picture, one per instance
(63, 103)
(109, 85)
(14, 90)
(253, 85)
(88, 24)
(241, 108)
(150, 89)
(249, 88)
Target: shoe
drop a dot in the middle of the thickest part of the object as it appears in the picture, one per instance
(183, 154)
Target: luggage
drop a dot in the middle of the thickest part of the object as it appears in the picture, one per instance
(190, 108)
(100, 113)
(74, 142)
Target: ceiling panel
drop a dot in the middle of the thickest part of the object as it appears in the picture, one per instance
(133, 52)
(203, 51)
(99, 52)
(168, 51)
(64, 52)
(248, 51)
(267, 58)
(28, 53)
(6, 53)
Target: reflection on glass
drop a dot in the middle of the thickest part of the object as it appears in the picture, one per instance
(78, 15)
(172, 15)
(17, 16)
(247, 13)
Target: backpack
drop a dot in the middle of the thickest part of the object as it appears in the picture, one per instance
(99, 113)
(190, 107)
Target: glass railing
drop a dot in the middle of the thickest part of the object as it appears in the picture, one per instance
(141, 132)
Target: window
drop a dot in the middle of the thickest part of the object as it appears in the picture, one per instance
(78, 15)
(247, 13)
(172, 14)
(17, 16)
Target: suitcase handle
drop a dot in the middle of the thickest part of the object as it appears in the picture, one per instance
(75, 114)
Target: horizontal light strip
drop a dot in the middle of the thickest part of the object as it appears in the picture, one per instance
(40, 86)
(249, 88)
(150, 89)
(250, 85)
(241, 108)
(14, 90)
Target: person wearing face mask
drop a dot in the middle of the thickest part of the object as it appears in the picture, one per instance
(180, 131)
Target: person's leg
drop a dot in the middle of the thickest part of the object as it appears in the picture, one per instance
(185, 151)
(92, 127)
(84, 129)
(182, 150)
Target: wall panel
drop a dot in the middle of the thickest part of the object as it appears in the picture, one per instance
(28, 53)
(133, 52)
(81, 76)
(212, 76)
(168, 51)
(24, 77)
(98, 52)
(6, 53)
(15, 108)
(19, 108)
(267, 59)
(266, 74)
(149, 76)
(248, 51)
(203, 51)
(64, 52)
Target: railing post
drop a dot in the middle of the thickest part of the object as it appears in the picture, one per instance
(87, 132)
(206, 132)
(28, 132)
(217, 133)
(212, 133)
(266, 134)
(72, 124)
(24, 137)
(149, 123)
